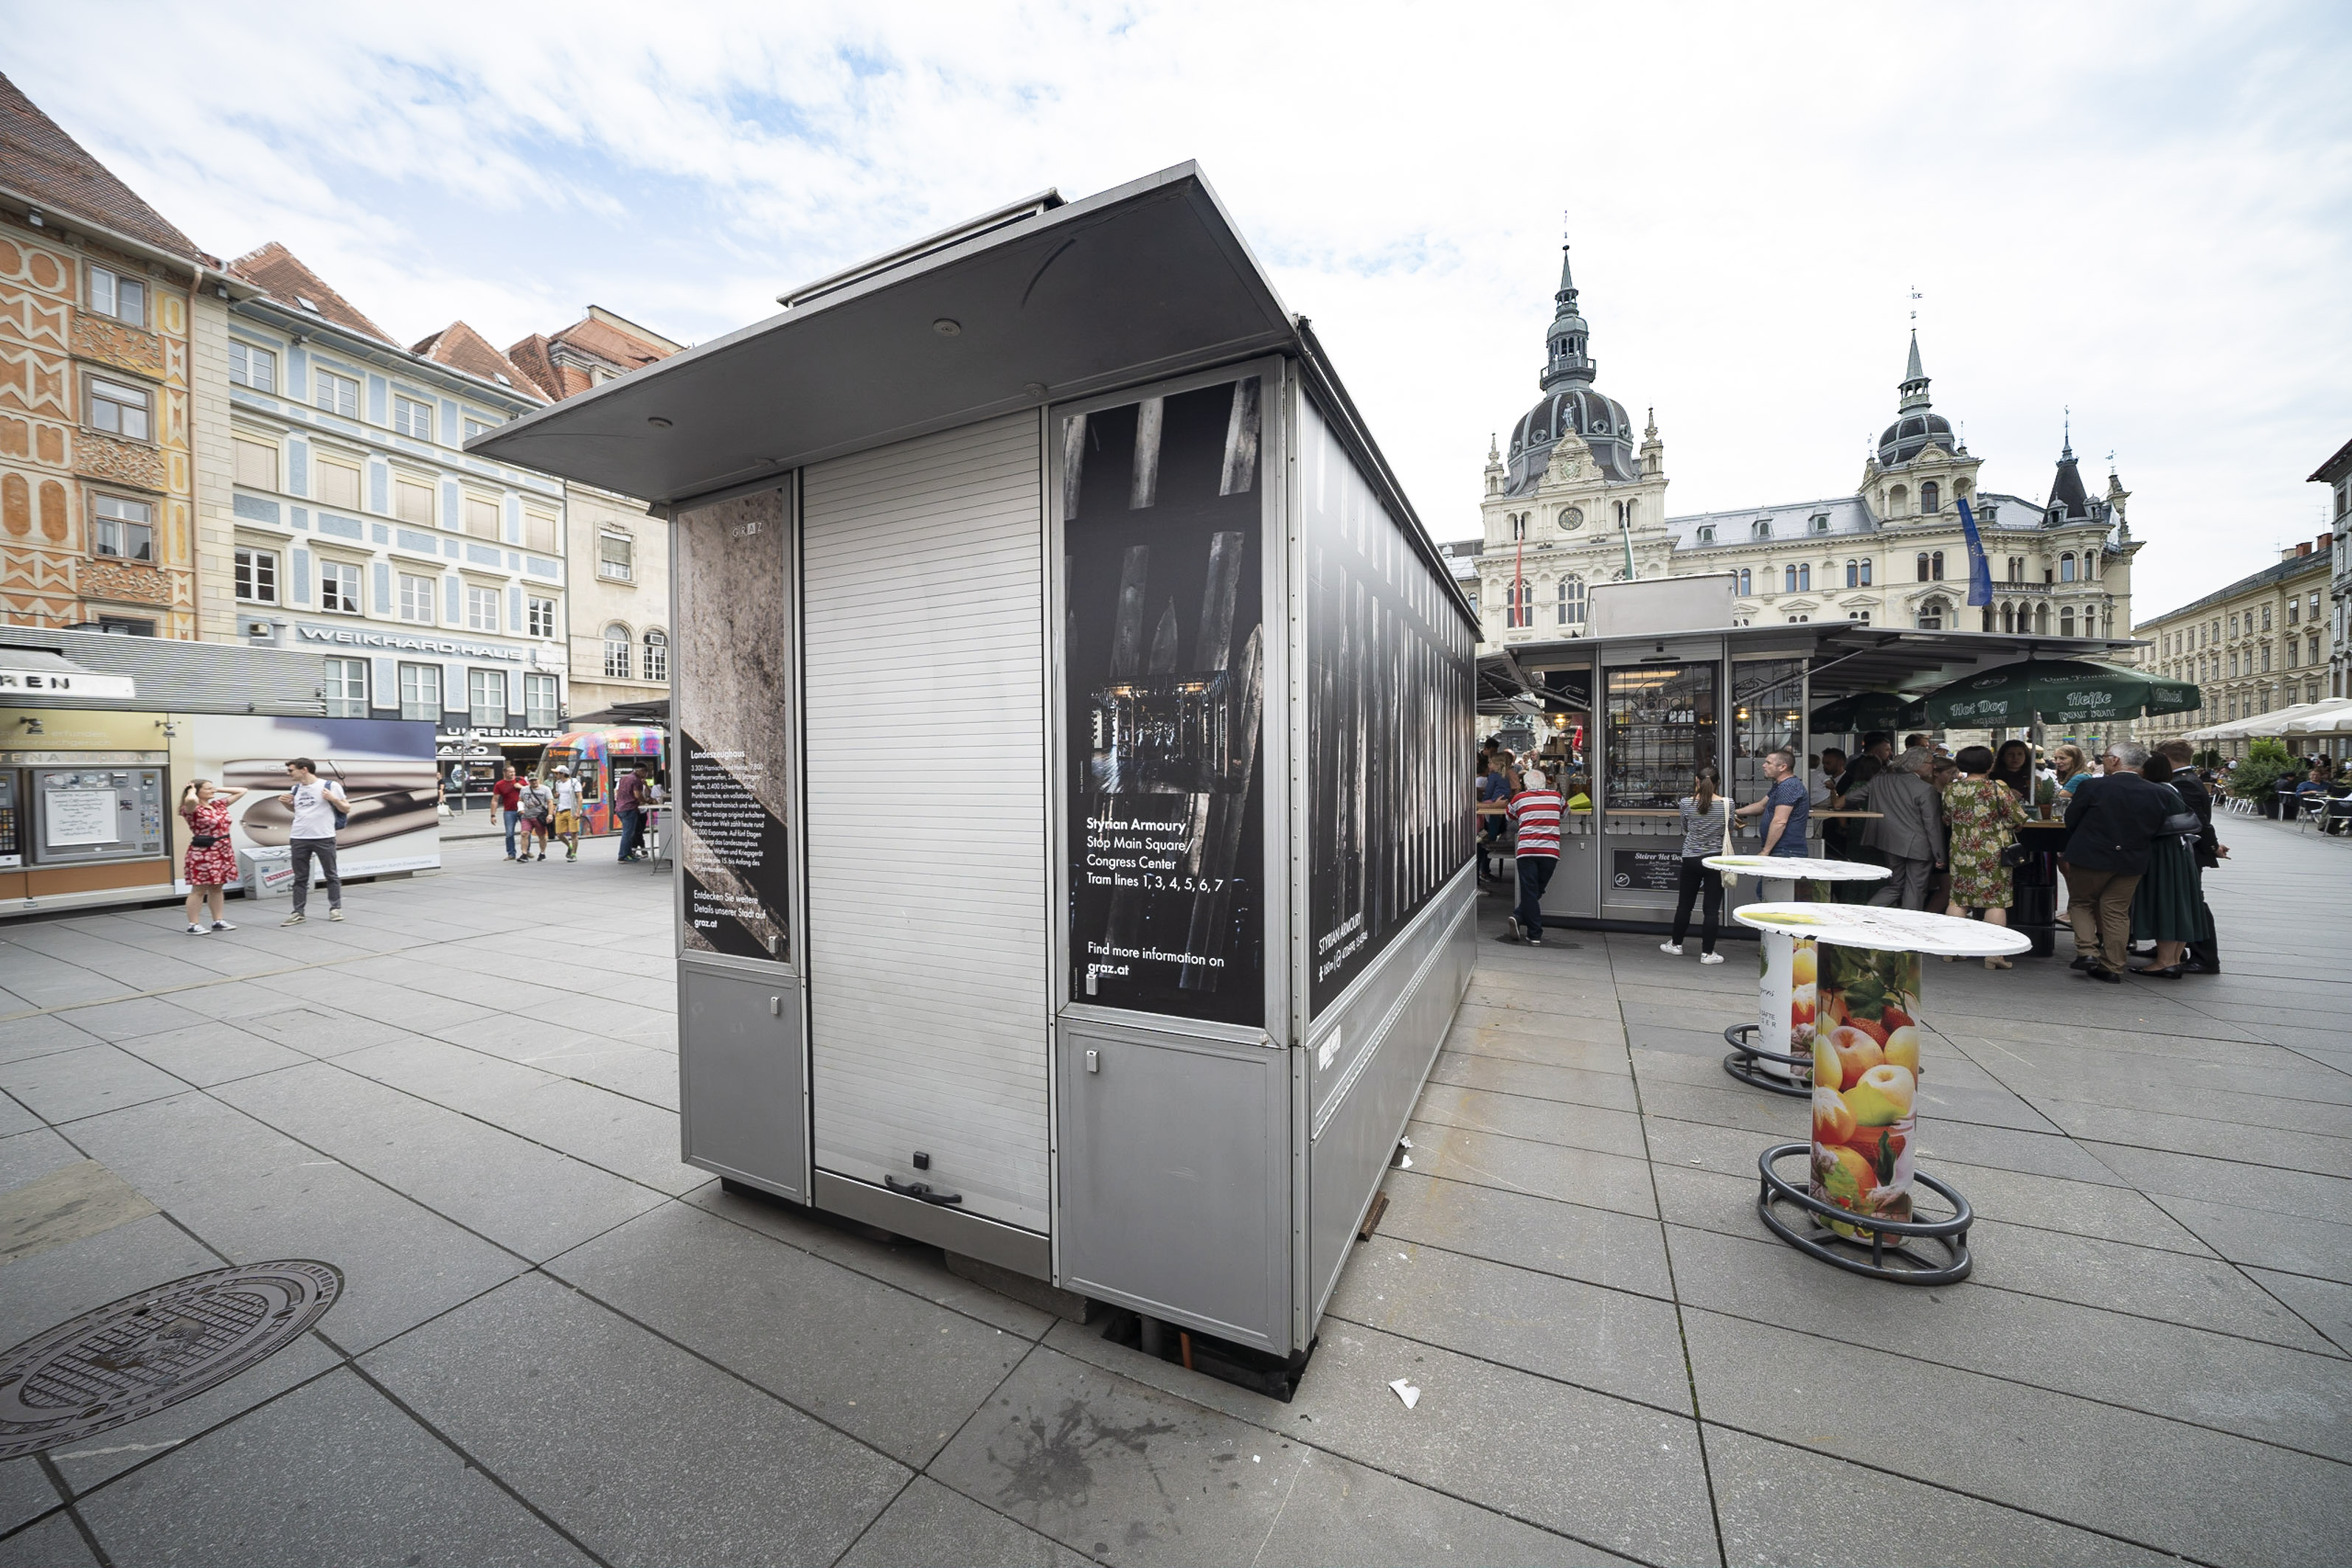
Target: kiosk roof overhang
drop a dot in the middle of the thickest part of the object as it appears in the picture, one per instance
(1036, 303)
(1844, 656)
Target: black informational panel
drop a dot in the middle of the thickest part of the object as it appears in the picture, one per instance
(1646, 870)
(1163, 534)
(733, 701)
(1391, 720)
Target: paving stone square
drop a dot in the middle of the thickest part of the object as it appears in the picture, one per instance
(559, 1343)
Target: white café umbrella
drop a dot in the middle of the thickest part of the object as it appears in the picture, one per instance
(2332, 716)
(2263, 725)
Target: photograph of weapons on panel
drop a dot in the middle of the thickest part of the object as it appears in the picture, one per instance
(733, 709)
(1161, 537)
(1391, 739)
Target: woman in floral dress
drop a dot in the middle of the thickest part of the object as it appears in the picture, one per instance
(209, 868)
(1983, 815)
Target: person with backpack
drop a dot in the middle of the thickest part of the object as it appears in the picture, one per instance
(536, 806)
(1535, 849)
(320, 809)
(1705, 816)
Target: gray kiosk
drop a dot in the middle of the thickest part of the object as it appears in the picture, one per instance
(1074, 725)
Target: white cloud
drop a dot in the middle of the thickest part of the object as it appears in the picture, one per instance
(2138, 211)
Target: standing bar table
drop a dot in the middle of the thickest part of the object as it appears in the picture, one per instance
(2033, 904)
(1866, 1071)
(1776, 1052)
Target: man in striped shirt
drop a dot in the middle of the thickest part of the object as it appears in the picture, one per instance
(1535, 823)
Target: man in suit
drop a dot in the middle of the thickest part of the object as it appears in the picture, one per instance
(1910, 829)
(2110, 827)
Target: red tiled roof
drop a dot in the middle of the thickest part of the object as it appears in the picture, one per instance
(45, 164)
(280, 273)
(620, 349)
(460, 346)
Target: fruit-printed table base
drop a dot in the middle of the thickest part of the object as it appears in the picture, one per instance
(1776, 1052)
(1857, 1197)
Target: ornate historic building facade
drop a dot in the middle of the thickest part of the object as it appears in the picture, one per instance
(1576, 499)
(2337, 475)
(106, 310)
(2260, 644)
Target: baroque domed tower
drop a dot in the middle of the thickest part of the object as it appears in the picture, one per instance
(1921, 468)
(1571, 405)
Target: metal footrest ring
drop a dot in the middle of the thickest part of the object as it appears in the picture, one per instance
(1889, 1251)
(1747, 1062)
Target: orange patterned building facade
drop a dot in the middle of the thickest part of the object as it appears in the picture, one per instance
(97, 468)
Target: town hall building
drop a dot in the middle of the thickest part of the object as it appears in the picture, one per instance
(1579, 499)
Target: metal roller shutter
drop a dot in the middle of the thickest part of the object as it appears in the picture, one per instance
(927, 960)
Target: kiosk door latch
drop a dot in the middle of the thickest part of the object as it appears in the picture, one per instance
(921, 1191)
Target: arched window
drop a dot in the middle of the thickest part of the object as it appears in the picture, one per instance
(1854, 574)
(656, 655)
(1788, 579)
(1936, 564)
(1988, 617)
(1746, 581)
(1898, 502)
(1931, 497)
(1805, 578)
(2066, 622)
(1571, 602)
(2090, 566)
(1763, 529)
(2042, 620)
(1932, 613)
(1866, 571)
(1923, 566)
(617, 652)
(2009, 617)
(1518, 604)
(2066, 567)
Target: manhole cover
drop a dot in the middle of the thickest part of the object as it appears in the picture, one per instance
(132, 1357)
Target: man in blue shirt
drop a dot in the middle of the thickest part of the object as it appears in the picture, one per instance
(1786, 808)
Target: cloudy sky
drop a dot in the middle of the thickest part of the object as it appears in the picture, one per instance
(2143, 211)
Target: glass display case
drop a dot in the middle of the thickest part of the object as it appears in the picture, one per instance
(1768, 713)
(1661, 731)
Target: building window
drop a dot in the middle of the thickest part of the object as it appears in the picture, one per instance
(125, 626)
(617, 652)
(338, 394)
(1866, 571)
(539, 702)
(1931, 497)
(412, 418)
(119, 409)
(2310, 649)
(1515, 604)
(121, 528)
(1861, 616)
(1763, 529)
(1518, 521)
(417, 598)
(2066, 567)
(339, 485)
(1898, 502)
(1854, 574)
(2294, 613)
(1707, 534)
(252, 367)
(539, 532)
(478, 426)
(481, 609)
(1821, 522)
(2066, 622)
(656, 655)
(613, 551)
(257, 464)
(112, 294)
(411, 501)
(1805, 579)
(2090, 567)
(1745, 581)
(339, 587)
(1788, 579)
(1931, 614)
(257, 575)
(481, 517)
(347, 696)
(420, 691)
(1571, 602)
(486, 697)
(1936, 564)
(540, 616)
(2009, 617)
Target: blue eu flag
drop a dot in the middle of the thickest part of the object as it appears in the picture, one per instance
(1980, 569)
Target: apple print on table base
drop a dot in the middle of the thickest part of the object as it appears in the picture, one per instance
(1865, 1046)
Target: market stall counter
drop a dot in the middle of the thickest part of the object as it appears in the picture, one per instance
(1855, 1206)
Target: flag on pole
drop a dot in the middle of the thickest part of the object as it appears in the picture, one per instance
(1980, 569)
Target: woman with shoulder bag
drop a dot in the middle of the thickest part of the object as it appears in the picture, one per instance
(2168, 907)
(1984, 814)
(1705, 815)
(211, 862)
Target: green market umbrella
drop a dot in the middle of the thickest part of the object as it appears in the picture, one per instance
(1865, 710)
(2056, 690)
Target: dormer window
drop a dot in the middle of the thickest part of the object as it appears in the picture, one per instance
(1763, 529)
(1821, 522)
(1707, 534)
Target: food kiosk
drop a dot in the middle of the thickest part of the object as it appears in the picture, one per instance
(1119, 956)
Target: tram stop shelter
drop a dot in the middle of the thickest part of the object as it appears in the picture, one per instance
(1074, 720)
(1665, 684)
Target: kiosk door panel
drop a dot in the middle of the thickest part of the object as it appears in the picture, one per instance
(927, 960)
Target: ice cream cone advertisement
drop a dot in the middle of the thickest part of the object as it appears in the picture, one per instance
(1866, 1047)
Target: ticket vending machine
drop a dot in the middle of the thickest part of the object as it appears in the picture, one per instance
(89, 815)
(12, 840)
